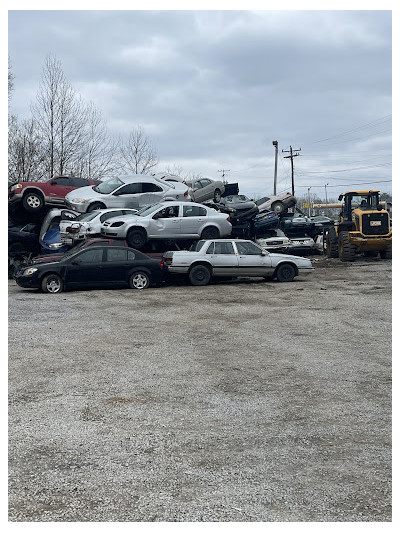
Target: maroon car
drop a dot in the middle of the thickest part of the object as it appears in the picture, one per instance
(36, 194)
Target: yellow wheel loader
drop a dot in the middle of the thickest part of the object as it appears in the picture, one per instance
(363, 227)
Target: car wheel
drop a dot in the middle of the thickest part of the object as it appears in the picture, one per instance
(33, 201)
(199, 275)
(139, 280)
(210, 233)
(278, 207)
(217, 196)
(96, 206)
(285, 272)
(136, 238)
(52, 283)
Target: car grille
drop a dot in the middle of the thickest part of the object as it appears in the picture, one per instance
(371, 226)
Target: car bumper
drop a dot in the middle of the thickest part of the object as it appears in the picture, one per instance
(81, 208)
(113, 233)
(27, 282)
(305, 270)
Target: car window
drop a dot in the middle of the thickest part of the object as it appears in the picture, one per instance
(262, 200)
(62, 181)
(248, 248)
(151, 187)
(210, 249)
(108, 186)
(79, 182)
(90, 256)
(106, 216)
(225, 248)
(194, 211)
(116, 254)
(131, 188)
(204, 182)
(196, 246)
(131, 255)
(168, 212)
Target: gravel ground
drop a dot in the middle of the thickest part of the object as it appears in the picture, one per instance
(244, 401)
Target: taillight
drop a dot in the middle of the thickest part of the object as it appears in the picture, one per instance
(72, 230)
(228, 218)
(186, 193)
(161, 263)
(167, 260)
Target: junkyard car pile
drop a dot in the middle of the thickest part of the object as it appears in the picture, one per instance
(136, 231)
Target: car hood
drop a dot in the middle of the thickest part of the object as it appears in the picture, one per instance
(296, 258)
(84, 192)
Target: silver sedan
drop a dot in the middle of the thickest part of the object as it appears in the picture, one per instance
(234, 258)
(134, 191)
(169, 220)
(203, 189)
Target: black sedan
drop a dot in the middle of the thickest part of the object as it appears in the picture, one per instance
(93, 267)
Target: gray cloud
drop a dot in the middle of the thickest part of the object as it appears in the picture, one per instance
(214, 88)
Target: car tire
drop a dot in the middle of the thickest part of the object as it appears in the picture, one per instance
(371, 253)
(52, 283)
(199, 275)
(278, 207)
(95, 206)
(33, 201)
(210, 233)
(217, 196)
(139, 280)
(285, 272)
(136, 238)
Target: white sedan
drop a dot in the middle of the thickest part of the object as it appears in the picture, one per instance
(234, 258)
(168, 220)
(88, 225)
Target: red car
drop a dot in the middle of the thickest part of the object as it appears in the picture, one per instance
(35, 194)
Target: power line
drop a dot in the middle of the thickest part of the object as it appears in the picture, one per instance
(368, 124)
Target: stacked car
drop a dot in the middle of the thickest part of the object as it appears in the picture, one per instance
(152, 214)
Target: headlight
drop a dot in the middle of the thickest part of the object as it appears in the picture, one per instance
(116, 224)
(56, 245)
(29, 271)
(77, 200)
(17, 186)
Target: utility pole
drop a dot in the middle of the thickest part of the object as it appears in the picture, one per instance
(291, 156)
(309, 201)
(326, 194)
(275, 143)
(223, 173)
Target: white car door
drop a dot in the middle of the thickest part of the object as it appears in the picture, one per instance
(223, 258)
(252, 260)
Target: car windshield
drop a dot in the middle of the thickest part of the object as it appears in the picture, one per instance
(237, 198)
(108, 186)
(85, 217)
(148, 210)
(196, 246)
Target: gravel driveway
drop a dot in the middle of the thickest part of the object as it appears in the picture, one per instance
(243, 401)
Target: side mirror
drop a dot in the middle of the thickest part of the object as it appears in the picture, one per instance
(264, 252)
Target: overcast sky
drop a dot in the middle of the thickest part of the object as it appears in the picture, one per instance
(213, 89)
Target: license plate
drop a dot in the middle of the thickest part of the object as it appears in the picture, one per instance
(375, 223)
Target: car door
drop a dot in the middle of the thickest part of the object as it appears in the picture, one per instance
(58, 188)
(129, 195)
(85, 268)
(116, 265)
(223, 258)
(252, 260)
(166, 223)
(193, 220)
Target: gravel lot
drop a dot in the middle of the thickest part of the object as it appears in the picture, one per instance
(243, 401)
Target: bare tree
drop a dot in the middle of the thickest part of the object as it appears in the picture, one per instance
(138, 154)
(25, 160)
(10, 79)
(59, 116)
(99, 156)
